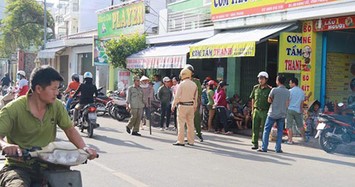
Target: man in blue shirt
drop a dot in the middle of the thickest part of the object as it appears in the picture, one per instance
(295, 109)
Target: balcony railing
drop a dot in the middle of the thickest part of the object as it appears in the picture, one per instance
(189, 19)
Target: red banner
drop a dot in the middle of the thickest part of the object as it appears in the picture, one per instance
(338, 23)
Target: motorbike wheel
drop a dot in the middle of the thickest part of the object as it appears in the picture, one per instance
(90, 129)
(326, 143)
(101, 109)
(111, 111)
(119, 116)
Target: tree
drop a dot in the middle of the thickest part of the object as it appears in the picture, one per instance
(22, 26)
(119, 49)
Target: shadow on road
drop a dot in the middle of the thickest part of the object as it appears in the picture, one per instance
(118, 142)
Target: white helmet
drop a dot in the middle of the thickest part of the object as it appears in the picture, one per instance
(23, 73)
(87, 75)
(263, 74)
(144, 78)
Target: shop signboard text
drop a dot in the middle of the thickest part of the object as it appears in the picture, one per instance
(330, 24)
(243, 49)
(290, 55)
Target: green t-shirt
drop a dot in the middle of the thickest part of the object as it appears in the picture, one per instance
(20, 127)
(260, 96)
(210, 94)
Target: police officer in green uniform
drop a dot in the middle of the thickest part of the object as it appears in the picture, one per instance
(134, 104)
(197, 118)
(260, 106)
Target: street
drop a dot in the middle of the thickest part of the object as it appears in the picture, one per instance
(152, 160)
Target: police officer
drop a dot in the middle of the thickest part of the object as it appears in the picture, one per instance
(134, 104)
(197, 118)
(186, 100)
(260, 106)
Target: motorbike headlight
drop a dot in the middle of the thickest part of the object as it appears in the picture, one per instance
(321, 119)
(64, 157)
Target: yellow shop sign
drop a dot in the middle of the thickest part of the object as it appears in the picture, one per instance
(243, 49)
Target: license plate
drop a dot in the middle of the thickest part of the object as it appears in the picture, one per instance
(92, 115)
(321, 126)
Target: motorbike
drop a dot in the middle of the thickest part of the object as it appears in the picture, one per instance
(336, 129)
(87, 119)
(59, 157)
(117, 109)
(101, 101)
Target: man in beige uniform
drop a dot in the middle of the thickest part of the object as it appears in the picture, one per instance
(186, 99)
(135, 105)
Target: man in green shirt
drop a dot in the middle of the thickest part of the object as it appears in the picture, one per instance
(260, 107)
(135, 105)
(31, 121)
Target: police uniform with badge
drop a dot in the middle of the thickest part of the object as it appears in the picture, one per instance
(135, 105)
(259, 97)
(186, 102)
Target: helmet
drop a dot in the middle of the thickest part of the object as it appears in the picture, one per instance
(263, 74)
(212, 82)
(21, 73)
(75, 77)
(185, 73)
(144, 78)
(166, 79)
(190, 67)
(87, 75)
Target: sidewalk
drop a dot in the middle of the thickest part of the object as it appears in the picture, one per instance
(341, 149)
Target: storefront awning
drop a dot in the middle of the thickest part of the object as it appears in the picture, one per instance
(160, 57)
(49, 53)
(235, 43)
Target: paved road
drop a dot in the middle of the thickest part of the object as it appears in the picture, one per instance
(152, 160)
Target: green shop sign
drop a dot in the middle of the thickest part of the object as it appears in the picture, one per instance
(124, 20)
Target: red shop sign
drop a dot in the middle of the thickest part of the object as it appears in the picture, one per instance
(338, 23)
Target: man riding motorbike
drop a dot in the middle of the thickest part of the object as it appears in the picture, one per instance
(31, 121)
(87, 90)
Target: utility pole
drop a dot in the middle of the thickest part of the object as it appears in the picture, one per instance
(112, 2)
(45, 24)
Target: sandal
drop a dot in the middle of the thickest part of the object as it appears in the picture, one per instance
(290, 143)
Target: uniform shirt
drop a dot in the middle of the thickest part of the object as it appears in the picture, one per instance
(21, 128)
(280, 96)
(164, 95)
(296, 98)
(135, 97)
(260, 96)
(87, 91)
(72, 87)
(23, 87)
(186, 92)
(199, 89)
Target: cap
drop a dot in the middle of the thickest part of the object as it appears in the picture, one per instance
(144, 78)
(135, 78)
(212, 82)
(222, 83)
(166, 79)
(185, 73)
(263, 74)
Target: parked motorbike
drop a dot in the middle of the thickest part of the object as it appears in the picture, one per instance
(87, 119)
(59, 157)
(101, 101)
(336, 129)
(117, 109)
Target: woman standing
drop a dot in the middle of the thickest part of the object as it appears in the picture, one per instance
(221, 108)
(211, 86)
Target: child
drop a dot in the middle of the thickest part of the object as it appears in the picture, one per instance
(312, 118)
(237, 117)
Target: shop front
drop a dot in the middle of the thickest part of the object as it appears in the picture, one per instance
(338, 58)
(246, 51)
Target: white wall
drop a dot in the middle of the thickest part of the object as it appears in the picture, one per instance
(152, 18)
(87, 15)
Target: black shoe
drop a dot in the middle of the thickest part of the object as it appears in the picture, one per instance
(261, 150)
(280, 151)
(200, 137)
(128, 130)
(136, 134)
(190, 144)
(179, 144)
(254, 147)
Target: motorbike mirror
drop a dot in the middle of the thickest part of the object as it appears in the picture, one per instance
(340, 104)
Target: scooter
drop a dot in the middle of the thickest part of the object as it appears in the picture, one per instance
(87, 119)
(101, 101)
(335, 129)
(59, 157)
